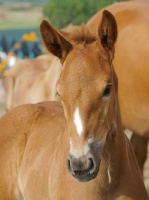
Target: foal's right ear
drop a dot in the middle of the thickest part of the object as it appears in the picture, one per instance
(54, 42)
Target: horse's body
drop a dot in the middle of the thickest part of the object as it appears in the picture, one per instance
(38, 140)
(32, 81)
(131, 64)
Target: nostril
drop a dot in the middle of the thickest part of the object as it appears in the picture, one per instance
(91, 164)
(69, 167)
(68, 163)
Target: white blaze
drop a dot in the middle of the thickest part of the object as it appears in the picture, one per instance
(78, 121)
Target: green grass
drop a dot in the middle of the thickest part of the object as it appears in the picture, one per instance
(20, 19)
(8, 25)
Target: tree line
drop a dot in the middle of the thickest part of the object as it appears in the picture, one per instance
(60, 13)
(22, 1)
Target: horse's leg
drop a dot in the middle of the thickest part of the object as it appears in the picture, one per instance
(139, 144)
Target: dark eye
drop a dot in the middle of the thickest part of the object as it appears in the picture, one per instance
(107, 91)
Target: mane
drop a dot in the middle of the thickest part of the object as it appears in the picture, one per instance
(82, 34)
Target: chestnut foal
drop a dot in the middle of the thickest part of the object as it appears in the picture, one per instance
(37, 140)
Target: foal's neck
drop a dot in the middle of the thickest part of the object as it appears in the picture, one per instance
(119, 163)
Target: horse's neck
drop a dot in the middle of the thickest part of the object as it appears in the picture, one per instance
(118, 163)
(54, 69)
(114, 155)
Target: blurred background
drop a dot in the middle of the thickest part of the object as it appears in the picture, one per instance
(19, 27)
(20, 20)
(20, 36)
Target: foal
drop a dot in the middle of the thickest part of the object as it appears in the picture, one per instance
(37, 140)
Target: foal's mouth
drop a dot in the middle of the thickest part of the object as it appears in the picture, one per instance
(83, 175)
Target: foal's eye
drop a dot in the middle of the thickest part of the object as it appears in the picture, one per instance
(107, 91)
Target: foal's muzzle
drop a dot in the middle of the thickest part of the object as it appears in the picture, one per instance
(84, 168)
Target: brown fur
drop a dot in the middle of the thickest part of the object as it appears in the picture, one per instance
(131, 64)
(37, 140)
(32, 81)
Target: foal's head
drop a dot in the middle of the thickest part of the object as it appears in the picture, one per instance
(87, 87)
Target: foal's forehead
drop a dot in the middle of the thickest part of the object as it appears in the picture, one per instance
(84, 72)
(87, 63)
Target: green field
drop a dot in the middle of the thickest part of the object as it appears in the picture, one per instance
(17, 16)
(18, 25)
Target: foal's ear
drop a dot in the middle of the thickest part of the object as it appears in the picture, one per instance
(54, 42)
(107, 30)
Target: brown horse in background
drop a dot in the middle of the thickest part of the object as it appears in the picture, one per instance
(37, 140)
(131, 64)
(32, 81)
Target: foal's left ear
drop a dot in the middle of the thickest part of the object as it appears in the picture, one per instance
(107, 30)
(54, 42)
